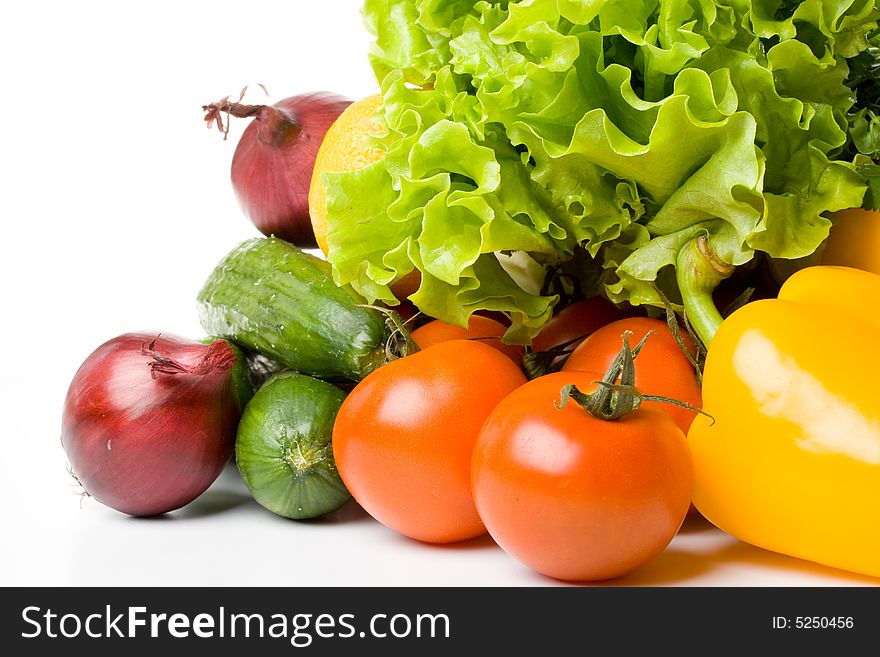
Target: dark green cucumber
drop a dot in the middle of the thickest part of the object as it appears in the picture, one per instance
(274, 298)
(284, 450)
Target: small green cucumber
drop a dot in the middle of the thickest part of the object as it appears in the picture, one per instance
(280, 301)
(283, 448)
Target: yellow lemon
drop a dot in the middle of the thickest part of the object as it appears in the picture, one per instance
(346, 147)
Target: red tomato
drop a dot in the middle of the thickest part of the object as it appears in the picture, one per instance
(661, 367)
(579, 319)
(478, 327)
(404, 436)
(575, 497)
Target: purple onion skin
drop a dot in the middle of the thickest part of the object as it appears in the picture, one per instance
(274, 159)
(149, 422)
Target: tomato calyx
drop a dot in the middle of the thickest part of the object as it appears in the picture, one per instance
(399, 342)
(539, 363)
(697, 359)
(611, 400)
(616, 394)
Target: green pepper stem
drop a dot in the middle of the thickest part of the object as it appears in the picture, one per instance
(698, 272)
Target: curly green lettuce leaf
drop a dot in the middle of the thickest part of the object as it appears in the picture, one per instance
(864, 81)
(609, 131)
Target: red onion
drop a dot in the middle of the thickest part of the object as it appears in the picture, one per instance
(273, 161)
(150, 420)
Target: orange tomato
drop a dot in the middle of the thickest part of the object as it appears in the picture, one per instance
(479, 328)
(404, 436)
(577, 320)
(661, 367)
(575, 497)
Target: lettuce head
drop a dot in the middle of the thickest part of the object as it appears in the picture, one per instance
(607, 133)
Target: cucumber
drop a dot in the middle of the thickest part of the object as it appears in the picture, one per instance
(274, 298)
(283, 447)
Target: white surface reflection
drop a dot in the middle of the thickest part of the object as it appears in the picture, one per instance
(785, 391)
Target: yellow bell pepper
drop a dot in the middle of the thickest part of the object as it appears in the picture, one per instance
(792, 460)
(854, 240)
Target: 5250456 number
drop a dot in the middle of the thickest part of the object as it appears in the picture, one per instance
(823, 622)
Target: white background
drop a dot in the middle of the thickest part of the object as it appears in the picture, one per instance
(115, 204)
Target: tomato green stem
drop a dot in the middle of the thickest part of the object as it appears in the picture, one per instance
(698, 272)
(539, 363)
(399, 342)
(695, 359)
(612, 400)
(616, 395)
